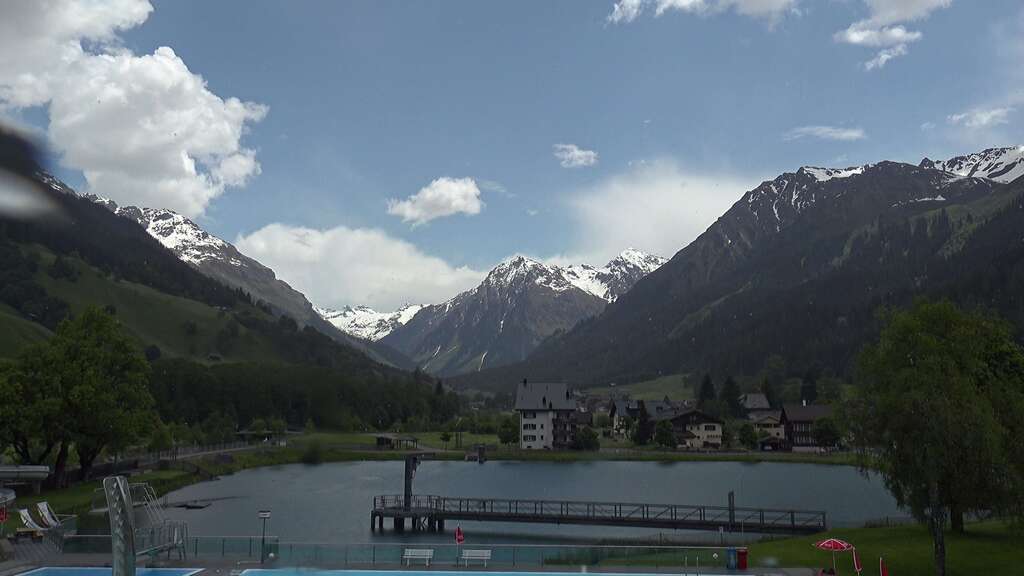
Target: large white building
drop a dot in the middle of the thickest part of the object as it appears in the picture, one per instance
(545, 416)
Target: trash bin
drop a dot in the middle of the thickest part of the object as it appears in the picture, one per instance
(730, 558)
(741, 559)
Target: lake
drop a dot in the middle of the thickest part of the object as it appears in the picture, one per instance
(331, 502)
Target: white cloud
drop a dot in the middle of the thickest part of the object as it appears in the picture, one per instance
(442, 197)
(342, 266)
(860, 35)
(825, 133)
(142, 129)
(981, 117)
(656, 206)
(572, 156)
(625, 11)
(884, 56)
(882, 27)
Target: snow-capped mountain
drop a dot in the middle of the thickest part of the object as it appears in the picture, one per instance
(519, 304)
(999, 164)
(365, 322)
(799, 266)
(223, 262)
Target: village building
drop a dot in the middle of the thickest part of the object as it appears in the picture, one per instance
(694, 429)
(546, 416)
(798, 420)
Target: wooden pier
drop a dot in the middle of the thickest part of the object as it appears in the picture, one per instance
(429, 513)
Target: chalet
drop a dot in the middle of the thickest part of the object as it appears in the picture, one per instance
(798, 420)
(546, 415)
(694, 429)
(769, 428)
(620, 409)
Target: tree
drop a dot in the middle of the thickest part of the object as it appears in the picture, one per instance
(773, 377)
(706, 393)
(825, 432)
(748, 436)
(664, 435)
(602, 420)
(809, 388)
(939, 414)
(96, 379)
(586, 439)
(731, 397)
(446, 437)
(508, 431)
(644, 427)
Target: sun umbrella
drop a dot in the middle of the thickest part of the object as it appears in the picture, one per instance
(833, 545)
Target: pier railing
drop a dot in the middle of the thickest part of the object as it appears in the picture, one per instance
(680, 516)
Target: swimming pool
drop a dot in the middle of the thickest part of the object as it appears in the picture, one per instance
(74, 571)
(428, 572)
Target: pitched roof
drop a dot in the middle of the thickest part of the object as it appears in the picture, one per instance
(755, 401)
(690, 415)
(762, 415)
(544, 396)
(809, 413)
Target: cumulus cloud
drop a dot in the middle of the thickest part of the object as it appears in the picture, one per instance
(142, 129)
(442, 197)
(657, 206)
(883, 56)
(342, 266)
(825, 133)
(883, 27)
(625, 11)
(981, 117)
(572, 156)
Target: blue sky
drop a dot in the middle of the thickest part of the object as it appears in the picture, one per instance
(342, 107)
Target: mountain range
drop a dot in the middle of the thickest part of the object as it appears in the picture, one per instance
(798, 268)
(520, 303)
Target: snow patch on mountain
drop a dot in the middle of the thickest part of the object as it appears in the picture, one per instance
(826, 174)
(180, 235)
(999, 164)
(365, 322)
(607, 282)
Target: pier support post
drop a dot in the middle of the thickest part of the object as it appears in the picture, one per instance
(440, 524)
(399, 524)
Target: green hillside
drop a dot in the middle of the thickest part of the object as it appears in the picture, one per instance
(17, 332)
(155, 318)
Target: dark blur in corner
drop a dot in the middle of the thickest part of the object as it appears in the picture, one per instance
(22, 195)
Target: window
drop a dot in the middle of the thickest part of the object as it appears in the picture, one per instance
(541, 426)
(529, 415)
(531, 438)
(531, 426)
(710, 427)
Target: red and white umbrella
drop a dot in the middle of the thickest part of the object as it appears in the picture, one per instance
(834, 545)
(459, 536)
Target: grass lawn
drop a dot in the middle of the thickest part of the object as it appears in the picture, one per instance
(78, 499)
(986, 548)
(17, 332)
(674, 386)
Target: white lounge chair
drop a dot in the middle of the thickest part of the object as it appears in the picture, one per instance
(47, 515)
(425, 554)
(29, 522)
(475, 556)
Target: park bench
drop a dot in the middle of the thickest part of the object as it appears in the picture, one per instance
(475, 556)
(424, 554)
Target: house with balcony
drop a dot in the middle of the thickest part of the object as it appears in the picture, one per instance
(546, 416)
(798, 421)
(694, 429)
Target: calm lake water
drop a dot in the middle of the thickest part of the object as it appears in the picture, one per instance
(332, 502)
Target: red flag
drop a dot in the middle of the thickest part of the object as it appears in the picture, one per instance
(856, 562)
(459, 536)
(882, 569)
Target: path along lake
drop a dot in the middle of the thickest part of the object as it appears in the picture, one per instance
(331, 502)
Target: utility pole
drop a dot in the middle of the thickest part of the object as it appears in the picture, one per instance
(263, 515)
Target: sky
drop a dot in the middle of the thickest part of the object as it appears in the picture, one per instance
(379, 152)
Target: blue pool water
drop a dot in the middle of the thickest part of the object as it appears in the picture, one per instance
(308, 572)
(69, 571)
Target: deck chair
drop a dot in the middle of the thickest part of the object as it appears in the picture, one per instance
(30, 524)
(47, 516)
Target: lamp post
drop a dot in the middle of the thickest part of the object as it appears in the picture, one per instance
(263, 515)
